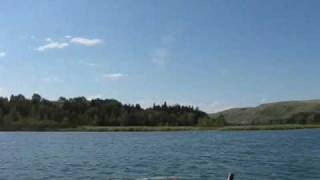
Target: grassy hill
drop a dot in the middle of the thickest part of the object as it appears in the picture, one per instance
(289, 112)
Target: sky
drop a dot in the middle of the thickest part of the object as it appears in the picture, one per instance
(214, 54)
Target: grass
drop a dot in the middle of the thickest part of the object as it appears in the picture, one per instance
(189, 128)
(135, 128)
(269, 127)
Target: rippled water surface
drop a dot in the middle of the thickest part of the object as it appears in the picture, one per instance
(293, 154)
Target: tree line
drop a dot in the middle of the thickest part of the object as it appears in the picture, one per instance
(20, 113)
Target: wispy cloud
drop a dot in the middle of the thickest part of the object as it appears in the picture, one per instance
(3, 92)
(89, 64)
(96, 96)
(209, 107)
(215, 106)
(65, 42)
(167, 40)
(92, 64)
(3, 54)
(50, 79)
(113, 76)
(160, 56)
(85, 41)
(264, 100)
(48, 39)
(28, 37)
(52, 45)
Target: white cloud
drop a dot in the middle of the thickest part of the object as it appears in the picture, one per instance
(85, 41)
(96, 96)
(161, 56)
(52, 45)
(3, 54)
(113, 76)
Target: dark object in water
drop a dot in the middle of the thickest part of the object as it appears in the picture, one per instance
(230, 177)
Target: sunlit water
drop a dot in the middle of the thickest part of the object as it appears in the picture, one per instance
(293, 154)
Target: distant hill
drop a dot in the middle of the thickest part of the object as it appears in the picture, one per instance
(293, 112)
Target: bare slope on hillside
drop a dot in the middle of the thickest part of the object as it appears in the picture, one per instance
(291, 112)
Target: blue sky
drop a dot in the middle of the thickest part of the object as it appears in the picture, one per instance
(213, 54)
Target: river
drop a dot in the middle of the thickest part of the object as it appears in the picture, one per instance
(288, 154)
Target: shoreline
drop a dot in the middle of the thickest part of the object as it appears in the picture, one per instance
(270, 127)
(192, 128)
(170, 128)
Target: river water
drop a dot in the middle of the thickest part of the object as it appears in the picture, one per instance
(291, 154)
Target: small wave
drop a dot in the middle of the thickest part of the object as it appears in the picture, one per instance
(161, 178)
(8, 143)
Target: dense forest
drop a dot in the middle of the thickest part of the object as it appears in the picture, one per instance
(20, 113)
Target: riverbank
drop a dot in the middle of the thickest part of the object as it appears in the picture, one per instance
(167, 128)
(137, 128)
(269, 127)
(190, 128)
